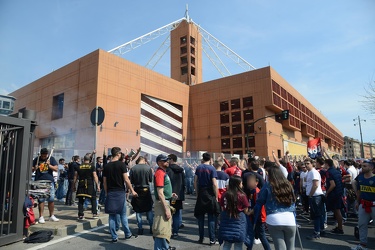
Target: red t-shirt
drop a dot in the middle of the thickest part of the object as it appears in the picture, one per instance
(233, 170)
(242, 202)
(159, 177)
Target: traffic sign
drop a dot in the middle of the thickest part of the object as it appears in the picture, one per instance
(97, 113)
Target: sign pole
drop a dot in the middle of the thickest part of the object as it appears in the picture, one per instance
(96, 124)
(97, 117)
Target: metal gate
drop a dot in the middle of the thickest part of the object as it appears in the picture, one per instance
(16, 141)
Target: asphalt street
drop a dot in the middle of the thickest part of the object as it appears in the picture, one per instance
(98, 238)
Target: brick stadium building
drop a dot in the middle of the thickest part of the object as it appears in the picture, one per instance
(171, 115)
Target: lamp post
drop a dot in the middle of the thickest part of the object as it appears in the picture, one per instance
(360, 132)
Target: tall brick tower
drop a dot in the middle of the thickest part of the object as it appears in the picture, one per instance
(186, 53)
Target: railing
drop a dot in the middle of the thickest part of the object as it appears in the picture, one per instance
(16, 140)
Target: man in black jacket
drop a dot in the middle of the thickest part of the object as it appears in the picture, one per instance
(177, 176)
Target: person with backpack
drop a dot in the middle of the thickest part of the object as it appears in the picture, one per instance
(233, 223)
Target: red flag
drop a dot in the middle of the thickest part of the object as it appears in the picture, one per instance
(314, 148)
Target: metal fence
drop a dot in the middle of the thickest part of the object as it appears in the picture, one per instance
(16, 140)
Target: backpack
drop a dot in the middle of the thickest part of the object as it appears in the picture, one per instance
(238, 172)
(39, 236)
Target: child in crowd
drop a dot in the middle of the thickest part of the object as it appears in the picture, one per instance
(257, 232)
(233, 217)
(222, 178)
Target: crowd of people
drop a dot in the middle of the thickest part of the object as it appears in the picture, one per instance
(243, 198)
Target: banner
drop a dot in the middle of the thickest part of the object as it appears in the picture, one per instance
(314, 148)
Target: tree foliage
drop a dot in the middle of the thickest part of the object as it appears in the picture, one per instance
(368, 101)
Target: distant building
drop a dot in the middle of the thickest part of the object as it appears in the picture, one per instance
(352, 148)
(6, 104)
(369, 150)
(172, 114)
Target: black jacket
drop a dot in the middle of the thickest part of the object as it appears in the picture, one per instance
(177, 176)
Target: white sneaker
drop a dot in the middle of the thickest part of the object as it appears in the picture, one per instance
(359, 247)
(41, 220)
(53, 218)
(257, 241)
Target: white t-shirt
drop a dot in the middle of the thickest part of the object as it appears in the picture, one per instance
(353, 173)
(303, 178)
(312, 175)
(281, 219)
(283, 169)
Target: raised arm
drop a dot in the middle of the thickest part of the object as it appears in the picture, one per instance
(136, 154)
(275, 158)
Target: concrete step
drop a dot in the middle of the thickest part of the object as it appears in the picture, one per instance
(68, 223)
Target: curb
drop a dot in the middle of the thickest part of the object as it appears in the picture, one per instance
(74, 228)
(77, 226)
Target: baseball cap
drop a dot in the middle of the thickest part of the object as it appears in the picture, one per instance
(162, 157)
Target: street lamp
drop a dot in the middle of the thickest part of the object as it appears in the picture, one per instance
(360, 131)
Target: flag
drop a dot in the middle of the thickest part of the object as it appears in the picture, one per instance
(314, 148)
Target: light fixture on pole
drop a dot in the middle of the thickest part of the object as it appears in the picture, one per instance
(360, 132)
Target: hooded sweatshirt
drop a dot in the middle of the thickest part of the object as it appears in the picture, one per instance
(177, 176)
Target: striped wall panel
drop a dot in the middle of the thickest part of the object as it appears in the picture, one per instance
(161, 126)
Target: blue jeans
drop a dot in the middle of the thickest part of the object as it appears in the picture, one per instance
(228, 245)
(61, 189)
(211, 226)
(113, 220)
(259, 232)
(189, 185)
(317, 212)
(177, 221)
(86, 203)
(319, 224)
(150, 219)
(102, 196)
(51, 198)
(118, 222)
(160, 244)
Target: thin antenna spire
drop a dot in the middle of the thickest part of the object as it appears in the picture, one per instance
(187, 13)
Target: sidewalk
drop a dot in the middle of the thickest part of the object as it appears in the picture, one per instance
(68, 223)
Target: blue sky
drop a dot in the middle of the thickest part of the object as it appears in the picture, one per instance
(325, 49)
